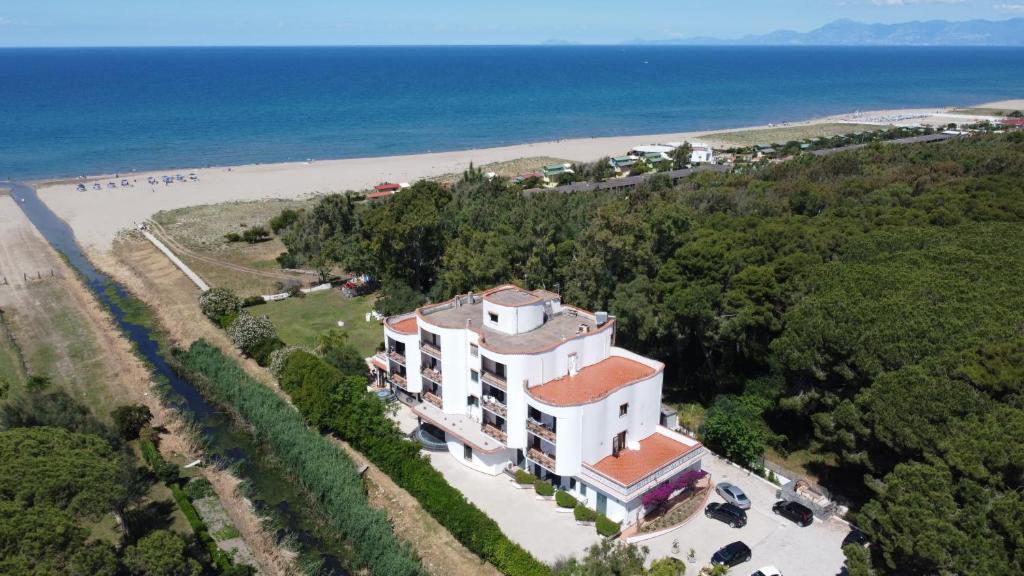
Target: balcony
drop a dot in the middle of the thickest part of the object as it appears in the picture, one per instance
(495, 433)
(433, 399)
(431, 350)
(541, 458)
(399, 358)
(492, 406)
(494, 380)
(399, 381)
(541, 431)
(432, 375)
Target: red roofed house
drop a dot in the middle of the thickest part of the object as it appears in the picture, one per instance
(513, 378)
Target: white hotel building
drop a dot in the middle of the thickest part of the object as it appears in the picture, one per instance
(513, 378)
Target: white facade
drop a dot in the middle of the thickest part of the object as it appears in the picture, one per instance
(522, 380)
(701, 154)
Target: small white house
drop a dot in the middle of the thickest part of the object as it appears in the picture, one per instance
(701, 154)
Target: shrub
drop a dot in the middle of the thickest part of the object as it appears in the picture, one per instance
(523, 477)
(218, 302)
(233, 237)
(584, 514)
(130, 420)
(283, 220)
(253, 301)
(564, 499)
(262, 351)
(255, 234)
(543, 488)
(605, 527)
(248, 331)
(278, 358)
(198, 488)
(167, 472)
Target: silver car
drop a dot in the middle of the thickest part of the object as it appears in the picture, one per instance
(733, 495)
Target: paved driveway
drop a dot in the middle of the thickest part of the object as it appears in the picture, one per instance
(796, 551)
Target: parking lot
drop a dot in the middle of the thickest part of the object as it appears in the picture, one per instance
(795, 551)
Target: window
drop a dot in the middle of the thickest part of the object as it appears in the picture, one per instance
(474, 375)
(583, 489)
(572, 483)
(467, 452)
(472, 401)
(474, 350)
(493, 317)
(618, 443)
(623, 410)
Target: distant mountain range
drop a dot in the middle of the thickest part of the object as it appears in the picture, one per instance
(851, 33)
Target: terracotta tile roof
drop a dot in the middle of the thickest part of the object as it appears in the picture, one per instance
(631, 466)
(592, 383)
(407, 326)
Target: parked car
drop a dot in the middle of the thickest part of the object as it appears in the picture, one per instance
(768, 571)
(732, 554)
(728, 513)
(856, 537)
(795, 511)
(733, 495)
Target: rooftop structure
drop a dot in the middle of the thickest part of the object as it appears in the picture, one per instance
(515, 378)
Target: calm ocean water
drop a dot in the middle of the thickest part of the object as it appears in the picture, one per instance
(75, 111)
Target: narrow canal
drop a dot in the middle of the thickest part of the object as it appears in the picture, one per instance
(267, 485)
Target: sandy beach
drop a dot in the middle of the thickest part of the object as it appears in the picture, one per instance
(97, 215)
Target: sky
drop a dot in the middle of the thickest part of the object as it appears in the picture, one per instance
(27, 23)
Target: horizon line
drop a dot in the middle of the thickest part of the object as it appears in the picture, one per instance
(653, 44)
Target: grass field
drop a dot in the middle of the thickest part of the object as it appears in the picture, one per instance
(781, 135)
(986, 111)
(510, 168)
(300, 320)
(12, 372)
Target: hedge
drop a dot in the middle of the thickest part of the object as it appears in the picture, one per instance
(339, 403)
(321, 467)
(584, 514)
(564, 499)
(543, 488)
(605, 527)
(523, 477)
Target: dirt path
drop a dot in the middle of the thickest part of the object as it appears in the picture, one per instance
(140, 267)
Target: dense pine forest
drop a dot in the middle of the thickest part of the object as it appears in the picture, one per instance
(864, 310)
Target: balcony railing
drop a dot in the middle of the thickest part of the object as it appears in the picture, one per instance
(495, 433)
(541, 458)
(400, 358)
(432, 375)
(431, 349)
(494, 407)
(399, 380)
(433, 399)
(494, 380)
(541, 431)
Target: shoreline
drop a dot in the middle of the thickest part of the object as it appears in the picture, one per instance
(97, 216)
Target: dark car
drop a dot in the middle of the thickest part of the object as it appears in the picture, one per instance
(856, 537)
(732, 554)
(728, 513)
(795, 511)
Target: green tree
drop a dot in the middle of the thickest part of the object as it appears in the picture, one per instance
(334, 347)
(218, 302)
(858, 560)
(734, 429)
(607, 559)
(130, 419)
(161, 553)
(681, 156)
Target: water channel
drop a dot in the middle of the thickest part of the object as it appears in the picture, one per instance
(273, 493)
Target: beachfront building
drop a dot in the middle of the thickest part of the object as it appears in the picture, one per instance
(515, 378)
(701, 154)
(553, 171)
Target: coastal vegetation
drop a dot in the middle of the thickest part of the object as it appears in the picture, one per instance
(861, 311)
(322, 468)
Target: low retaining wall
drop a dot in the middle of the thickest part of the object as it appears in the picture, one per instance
(203, 286)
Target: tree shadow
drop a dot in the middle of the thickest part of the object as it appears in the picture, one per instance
(150, 516)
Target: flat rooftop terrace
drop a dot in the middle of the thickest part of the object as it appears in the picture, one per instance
(565, 325)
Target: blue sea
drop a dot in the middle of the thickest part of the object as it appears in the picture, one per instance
(65, 112)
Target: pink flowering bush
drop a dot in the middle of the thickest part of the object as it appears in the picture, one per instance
(662, 493)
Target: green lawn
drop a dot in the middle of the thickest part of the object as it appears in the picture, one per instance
(12, 375)
(300, 320)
